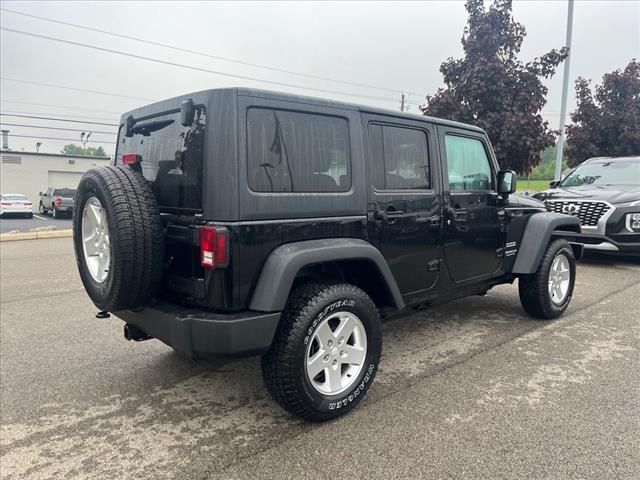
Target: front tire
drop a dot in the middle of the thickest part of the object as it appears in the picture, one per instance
(546, 294)
(326, 351)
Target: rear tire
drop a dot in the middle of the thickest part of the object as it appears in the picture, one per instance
(41, 209)
(547, 293)
(135, 237)
(54, 212)
(349, 361)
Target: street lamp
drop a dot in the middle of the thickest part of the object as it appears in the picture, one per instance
(84, 139)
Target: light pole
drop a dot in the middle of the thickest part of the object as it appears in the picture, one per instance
(84, 139)
(565, 88)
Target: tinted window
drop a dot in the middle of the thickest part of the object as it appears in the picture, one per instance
(172, 157)
(297, 152)
(64, 192)
(13, 197)
(468, 164)
(400, 158)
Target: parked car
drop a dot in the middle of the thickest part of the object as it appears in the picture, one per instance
(249, 222)
(15, 204)
(57, 201)
(604, 193)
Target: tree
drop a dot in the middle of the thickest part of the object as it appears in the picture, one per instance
(491, 88)
(72, 149)
(609, 124)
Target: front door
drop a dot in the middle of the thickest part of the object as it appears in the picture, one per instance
(405, 204)
(474, 233)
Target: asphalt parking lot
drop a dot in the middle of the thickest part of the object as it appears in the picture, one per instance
(471, 389)
(27, 224)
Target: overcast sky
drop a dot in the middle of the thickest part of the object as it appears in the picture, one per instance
(389, 44)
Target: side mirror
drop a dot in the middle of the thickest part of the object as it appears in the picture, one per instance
(507, 182)
(554, 183)
(187, 113)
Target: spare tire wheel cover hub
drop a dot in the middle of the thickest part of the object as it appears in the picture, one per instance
(95, 240)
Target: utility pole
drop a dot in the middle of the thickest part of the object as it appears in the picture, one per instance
(565, 88)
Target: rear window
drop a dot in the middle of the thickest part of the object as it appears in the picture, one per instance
(172, 156)
(64, 192)
(297, 152)
(13, 197)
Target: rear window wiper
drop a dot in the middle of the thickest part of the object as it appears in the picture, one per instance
(148, 127)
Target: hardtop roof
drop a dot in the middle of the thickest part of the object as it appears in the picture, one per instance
(290, 97)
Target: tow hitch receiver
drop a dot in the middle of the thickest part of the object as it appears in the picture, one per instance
(131, 332)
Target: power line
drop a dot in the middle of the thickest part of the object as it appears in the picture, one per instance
(191, 67)
(8, 112)
(59, 106)
(59, 119)
(208, 55)
(76, 88)
(54, 128)
(58, 138)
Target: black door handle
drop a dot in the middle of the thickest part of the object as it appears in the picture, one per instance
(388, 215)
(393, 213)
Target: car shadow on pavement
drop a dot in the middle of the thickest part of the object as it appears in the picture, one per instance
(609, 260)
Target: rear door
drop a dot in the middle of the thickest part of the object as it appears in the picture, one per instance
(405, 206)
(475, 229)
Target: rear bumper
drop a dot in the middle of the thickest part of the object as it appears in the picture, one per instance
(15, 211)
(197, 333)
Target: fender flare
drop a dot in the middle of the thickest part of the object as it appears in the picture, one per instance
(535, 238)
(283, 264)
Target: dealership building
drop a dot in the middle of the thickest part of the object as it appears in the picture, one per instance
(29, 173)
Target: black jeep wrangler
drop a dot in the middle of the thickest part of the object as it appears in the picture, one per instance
(244, 222)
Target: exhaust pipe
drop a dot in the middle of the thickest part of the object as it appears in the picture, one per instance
(131, 332)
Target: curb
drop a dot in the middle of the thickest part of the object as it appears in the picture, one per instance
(11, 237)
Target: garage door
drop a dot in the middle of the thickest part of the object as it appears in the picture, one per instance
(64, 179)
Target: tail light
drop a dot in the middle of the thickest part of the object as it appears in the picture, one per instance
(5, 204)
(28, 204)
(214, 247)
(58, 201)
(131, 158)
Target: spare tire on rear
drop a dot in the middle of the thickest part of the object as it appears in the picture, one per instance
(118, 239)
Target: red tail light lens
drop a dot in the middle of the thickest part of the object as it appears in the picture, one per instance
(214, 247)
(58, 201)
(5, 204)
(131, 158)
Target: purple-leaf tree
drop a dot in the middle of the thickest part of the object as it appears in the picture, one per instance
(607, 125)
(491, 88)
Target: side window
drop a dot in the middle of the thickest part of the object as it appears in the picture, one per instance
(297, 152)
(468, 164)
(400, 158)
